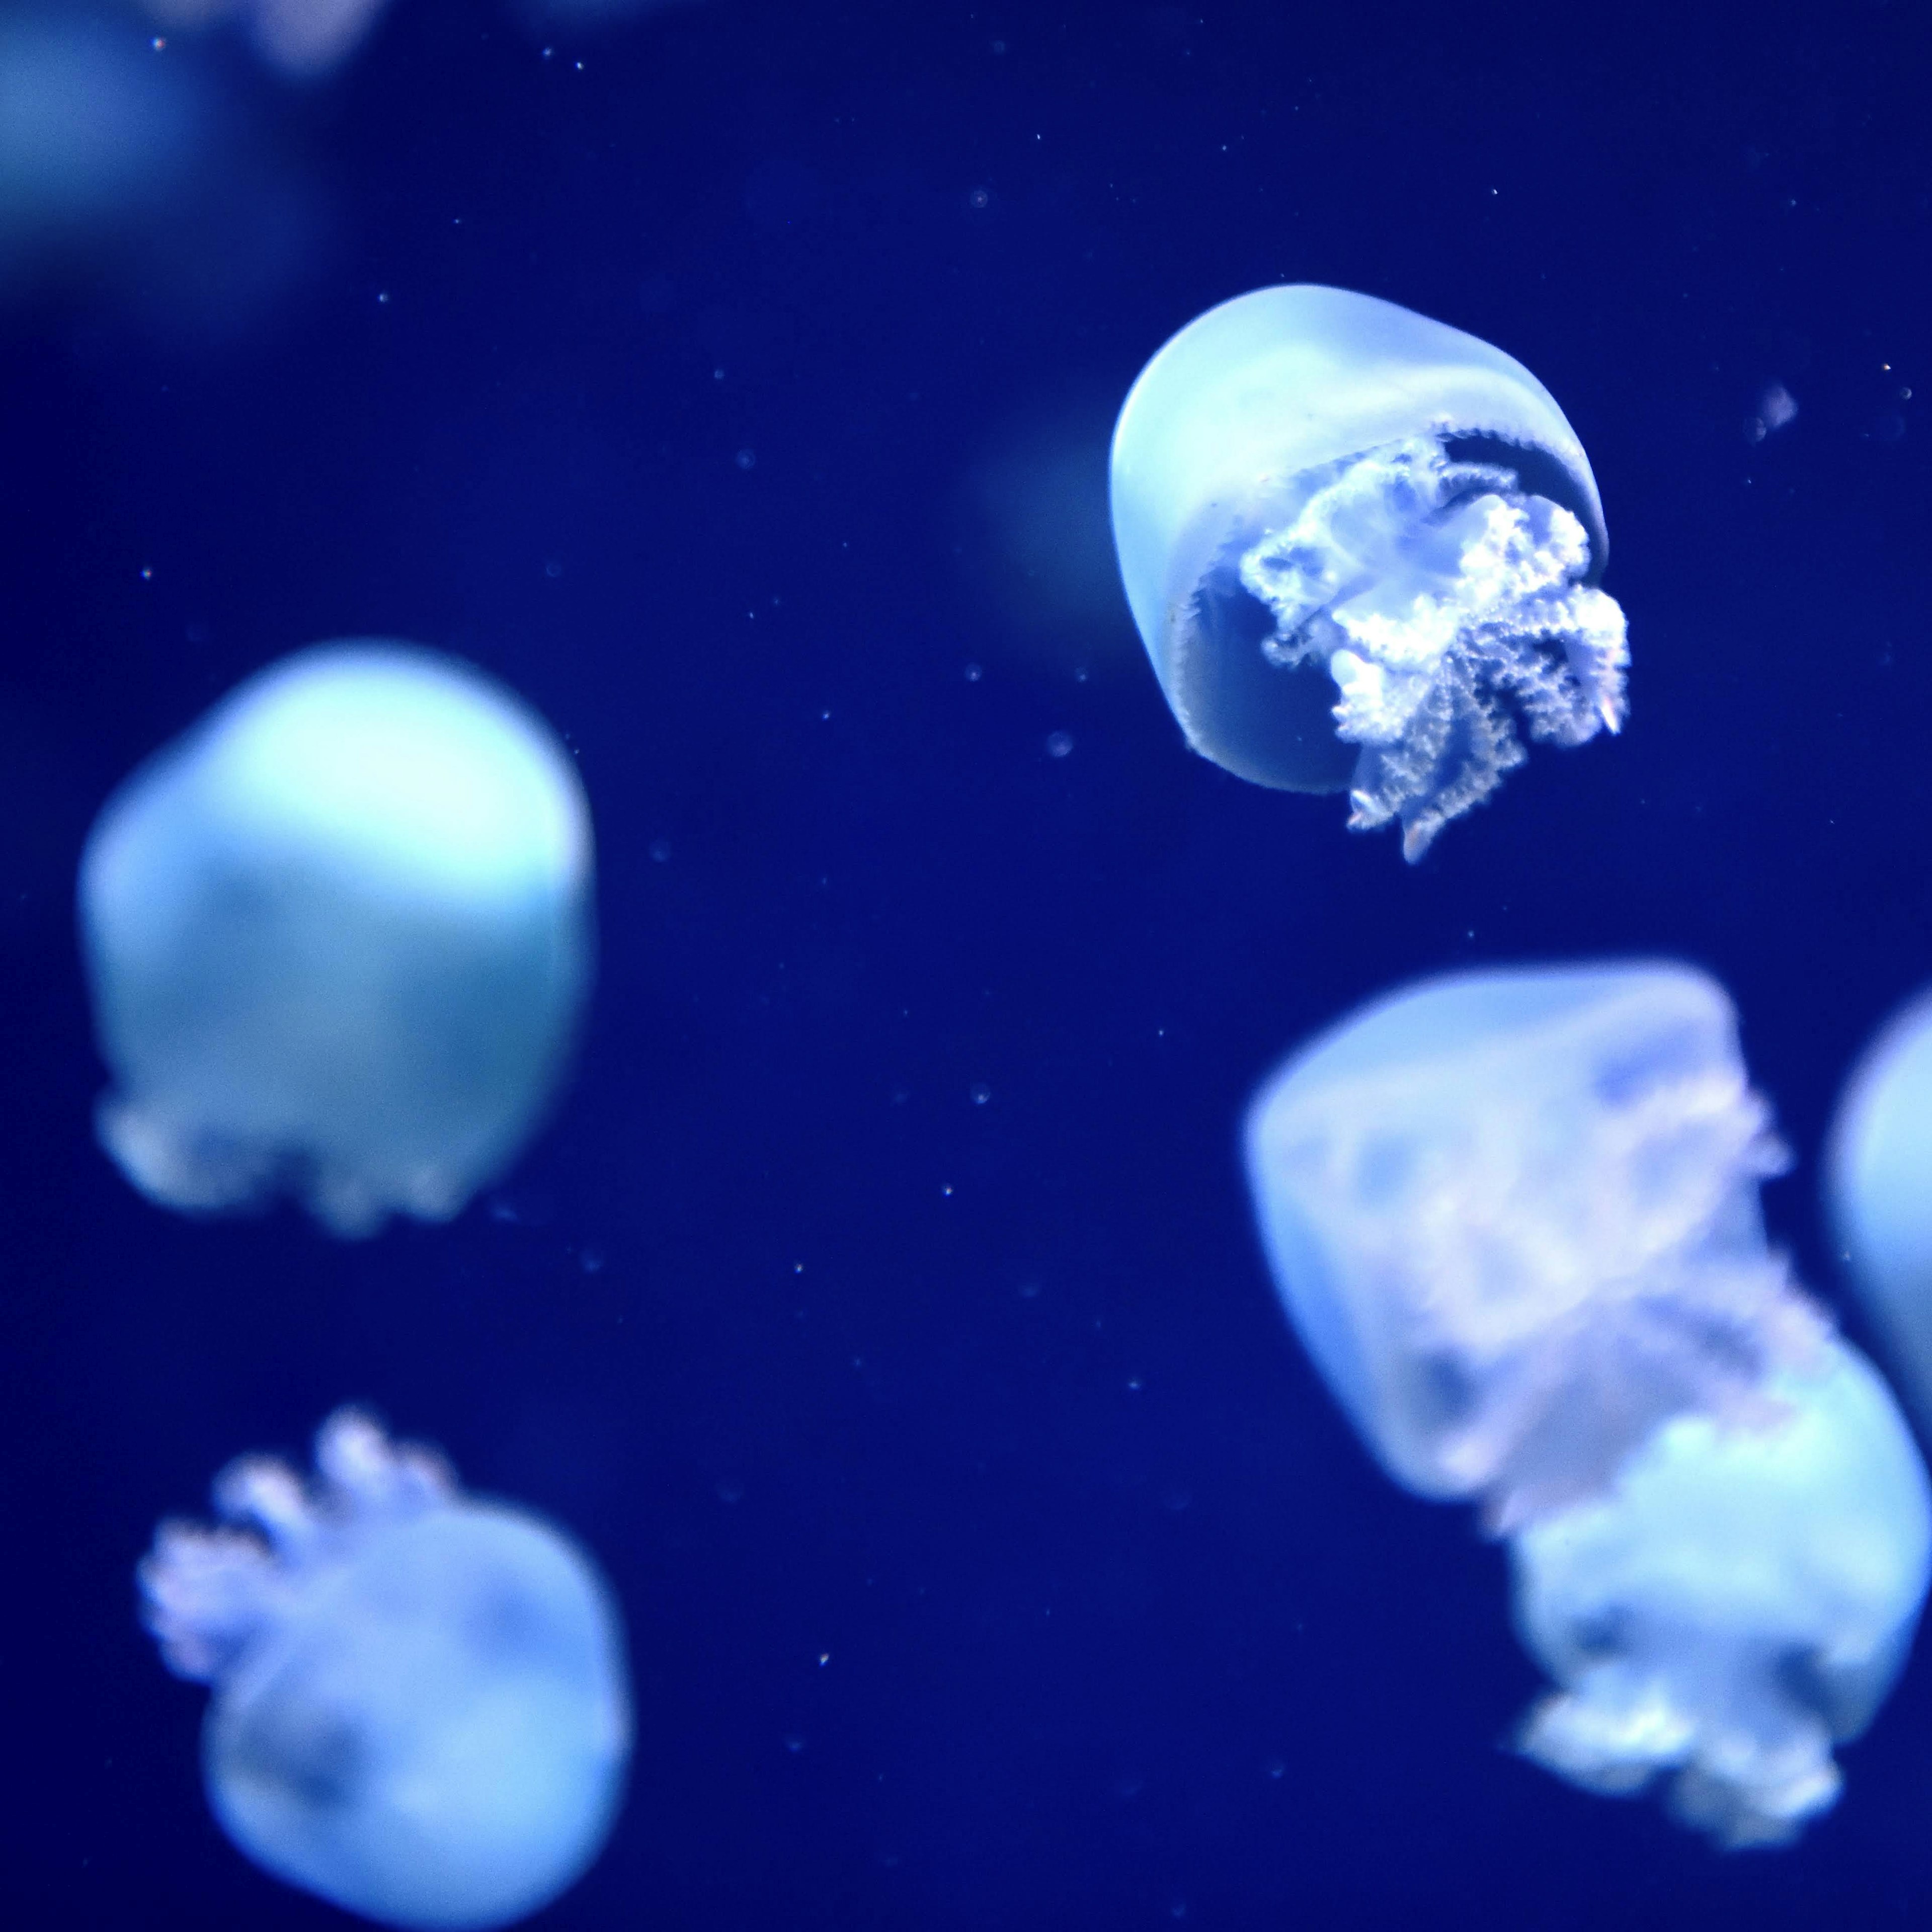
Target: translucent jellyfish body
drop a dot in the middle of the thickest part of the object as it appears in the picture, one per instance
(1514, 1217)
(338, 936)
(1355, 542)
(420, 1710)
(1740, 1599)
(1879, 1179)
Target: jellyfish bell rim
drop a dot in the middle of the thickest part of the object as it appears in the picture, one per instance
(1324, 1056)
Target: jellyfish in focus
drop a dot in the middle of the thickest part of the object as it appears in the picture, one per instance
(1740, 1600)
(1513, 1215)
(1360, 545)
(420, 1711)
(338, 935)
(1879, 1185)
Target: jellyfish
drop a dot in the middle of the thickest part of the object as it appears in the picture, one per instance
(1513, 1215)
(302, 39)
(338, 935)
(1360, 546)
(1739, 1600)
(420, 1711)
(1878, 1180)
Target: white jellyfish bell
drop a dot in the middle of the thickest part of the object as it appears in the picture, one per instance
(338, 936)
(1355, 542)
(1513, 1215)
(1739, 1600)
(1879, 1181)
(420, 1710)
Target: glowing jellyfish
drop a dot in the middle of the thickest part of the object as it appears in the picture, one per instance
(303, 40)
(420, 1711)
(338, 936)
(1513, 1215)
(1355, 542)
(1740, 1600)
(1879, 1179)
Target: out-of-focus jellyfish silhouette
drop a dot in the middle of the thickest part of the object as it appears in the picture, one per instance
(1355, 541)
(1739, 1600)
(1879, 1181)
(1514, 1217)
(137, 171)
(338, 936)
(301, 39)
(97, 137)
(420, 1709)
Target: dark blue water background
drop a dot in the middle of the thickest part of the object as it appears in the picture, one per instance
(990, 1556)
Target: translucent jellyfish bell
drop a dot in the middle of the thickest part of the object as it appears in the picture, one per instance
(1514, 1217)
(420, 1709)
(1741, 1598)
(1355, 542)
(338, 935)
(1879, 1181)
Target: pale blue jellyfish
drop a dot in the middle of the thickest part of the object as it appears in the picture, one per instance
(1513, 1215)
(1355, 542)
(1740, 1599)
(420, 1709)
(338, 936)
(1879, 1183)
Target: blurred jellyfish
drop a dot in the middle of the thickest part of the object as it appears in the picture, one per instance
(1354, 541)
(122, 169)
(95, 135)
(420, 1710)
(338, 936)
(302, 39)
(1777, 407)
(1740, 1600)
(1878, 1179)
(1513, 1215)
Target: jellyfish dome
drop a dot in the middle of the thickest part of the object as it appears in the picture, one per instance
(1360, 545)
(1879, 1177)
(420, 1711)
(1513, 1215)
(338, 936)
(1741, 1598)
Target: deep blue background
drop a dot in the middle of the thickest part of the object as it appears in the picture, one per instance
(990, 1554)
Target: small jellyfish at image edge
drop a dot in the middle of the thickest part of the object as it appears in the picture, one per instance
(338, 937)
(1878, 1193)
(1512, 1216)
(420, 1710)
(1739, 1600)
(1360, 546)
